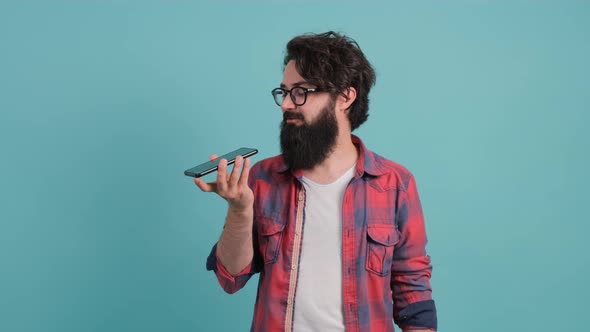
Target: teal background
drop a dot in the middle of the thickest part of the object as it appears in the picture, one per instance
(104, 104)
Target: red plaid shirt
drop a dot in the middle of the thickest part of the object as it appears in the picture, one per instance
(386, 271)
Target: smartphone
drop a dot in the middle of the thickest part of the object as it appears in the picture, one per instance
(211, 166)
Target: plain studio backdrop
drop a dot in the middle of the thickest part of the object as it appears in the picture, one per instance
(104, 104)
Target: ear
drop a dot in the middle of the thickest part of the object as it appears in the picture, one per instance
(345, 99)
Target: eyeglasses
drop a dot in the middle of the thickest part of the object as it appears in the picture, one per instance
(298, 95)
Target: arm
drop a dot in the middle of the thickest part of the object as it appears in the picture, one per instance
(414, 309)
(232, 257)
(235, 247)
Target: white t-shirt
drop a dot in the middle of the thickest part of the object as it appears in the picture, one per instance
(318, 297)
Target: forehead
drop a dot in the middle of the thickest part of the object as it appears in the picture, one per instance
(291, 77)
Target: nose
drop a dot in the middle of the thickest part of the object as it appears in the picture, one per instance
(287, 103)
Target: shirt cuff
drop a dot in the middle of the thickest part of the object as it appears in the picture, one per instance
(225, 278)
(418, 315)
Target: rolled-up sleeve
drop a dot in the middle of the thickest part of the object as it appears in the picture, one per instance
(229, 283)
(411, 269)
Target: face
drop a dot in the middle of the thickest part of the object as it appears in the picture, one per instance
(314, 103)
(309, 131)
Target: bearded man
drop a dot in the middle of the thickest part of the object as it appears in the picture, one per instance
(335, 231)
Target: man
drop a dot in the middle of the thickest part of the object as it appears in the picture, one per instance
(335, 230)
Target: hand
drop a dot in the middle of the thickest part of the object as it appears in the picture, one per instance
(231, 187)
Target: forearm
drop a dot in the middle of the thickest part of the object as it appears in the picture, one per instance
(235, 249)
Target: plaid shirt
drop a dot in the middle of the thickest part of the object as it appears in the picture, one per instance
(386, 271)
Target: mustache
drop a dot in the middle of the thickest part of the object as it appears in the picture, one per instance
(290, 115)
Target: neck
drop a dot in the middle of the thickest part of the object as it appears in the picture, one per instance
(336, 164)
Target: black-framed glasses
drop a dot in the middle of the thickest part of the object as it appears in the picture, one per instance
(298, 95)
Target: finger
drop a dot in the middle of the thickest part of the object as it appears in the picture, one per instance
(212, 158)
(222, 176)
(235, 174)
(245, 173)
(204, 186)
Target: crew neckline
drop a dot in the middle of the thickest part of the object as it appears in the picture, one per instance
(349, 174)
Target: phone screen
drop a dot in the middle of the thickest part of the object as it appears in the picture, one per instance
(211, 166)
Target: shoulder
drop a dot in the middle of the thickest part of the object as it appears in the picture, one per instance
(390, 173)
(268, 168)
(272, 164)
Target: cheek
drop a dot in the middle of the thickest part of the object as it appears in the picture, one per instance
(312, 111)
(309, 118)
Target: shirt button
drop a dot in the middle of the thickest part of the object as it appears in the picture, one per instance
(289, 301)
(293, 267)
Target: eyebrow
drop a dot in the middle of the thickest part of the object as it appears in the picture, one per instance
(295, 84)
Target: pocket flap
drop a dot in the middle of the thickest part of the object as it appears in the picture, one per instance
(383, 233)
(268, 226)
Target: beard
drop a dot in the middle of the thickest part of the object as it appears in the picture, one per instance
(308, 145)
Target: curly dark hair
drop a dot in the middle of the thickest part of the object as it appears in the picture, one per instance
(334, 62)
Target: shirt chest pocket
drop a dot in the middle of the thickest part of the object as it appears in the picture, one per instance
(381, 239)
(270, 235)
